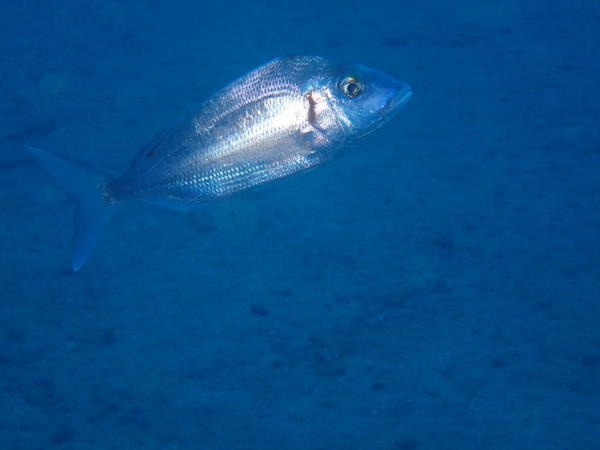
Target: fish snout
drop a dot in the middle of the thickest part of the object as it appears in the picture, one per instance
(402, 94)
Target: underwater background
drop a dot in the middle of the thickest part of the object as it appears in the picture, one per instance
(437, 287)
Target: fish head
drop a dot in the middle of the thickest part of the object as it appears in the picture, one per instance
(363, 99)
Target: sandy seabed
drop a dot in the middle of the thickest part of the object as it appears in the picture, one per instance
(437, 287)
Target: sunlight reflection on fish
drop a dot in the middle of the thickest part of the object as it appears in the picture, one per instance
(285, 117)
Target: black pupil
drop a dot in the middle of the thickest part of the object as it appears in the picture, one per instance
(352, 89)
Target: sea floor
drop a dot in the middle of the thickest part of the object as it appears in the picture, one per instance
(437, 287)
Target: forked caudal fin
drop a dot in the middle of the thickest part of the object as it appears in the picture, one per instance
(86, 186)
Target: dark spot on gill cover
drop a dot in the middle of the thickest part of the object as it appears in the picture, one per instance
(312, 117)
(312, 113)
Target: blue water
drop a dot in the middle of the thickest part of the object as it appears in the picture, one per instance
(437, 287)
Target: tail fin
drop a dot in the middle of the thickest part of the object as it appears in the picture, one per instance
(86, 186)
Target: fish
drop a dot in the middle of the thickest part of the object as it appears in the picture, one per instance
(283, 118)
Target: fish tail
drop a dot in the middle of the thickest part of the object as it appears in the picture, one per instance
(88, 188)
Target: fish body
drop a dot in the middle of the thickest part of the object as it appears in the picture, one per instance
(285, 117)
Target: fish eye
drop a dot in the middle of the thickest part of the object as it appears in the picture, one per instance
(351, 87)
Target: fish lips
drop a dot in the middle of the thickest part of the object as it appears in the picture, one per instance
(395, 102)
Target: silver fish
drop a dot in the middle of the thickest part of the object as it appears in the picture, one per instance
(283, 118)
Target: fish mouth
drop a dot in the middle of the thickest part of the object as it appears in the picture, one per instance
(397, 101)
